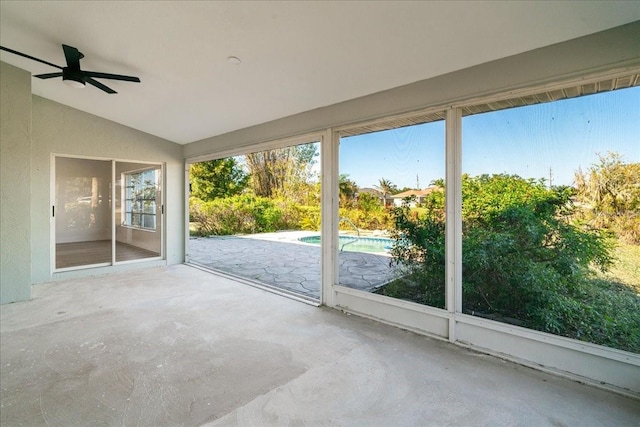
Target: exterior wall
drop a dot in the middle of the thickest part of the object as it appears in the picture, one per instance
(58, 129)
(15, 181)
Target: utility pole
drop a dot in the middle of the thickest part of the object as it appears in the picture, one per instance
(417, 182)
(550, 177)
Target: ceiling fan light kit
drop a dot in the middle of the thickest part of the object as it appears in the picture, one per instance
(72, 75)
(73, 78)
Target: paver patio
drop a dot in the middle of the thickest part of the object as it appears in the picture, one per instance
(280, 260)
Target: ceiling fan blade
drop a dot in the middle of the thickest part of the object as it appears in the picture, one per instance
(73, 56)
(99, 85)
(48, 75)
(15, 52)
(111, 76)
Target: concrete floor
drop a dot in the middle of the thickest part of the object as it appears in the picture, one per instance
(179, 346)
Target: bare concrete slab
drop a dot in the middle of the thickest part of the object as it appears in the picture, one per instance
(181, 347)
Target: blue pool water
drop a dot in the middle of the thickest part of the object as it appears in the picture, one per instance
(361, 244)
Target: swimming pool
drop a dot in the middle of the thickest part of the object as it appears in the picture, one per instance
(360, 244)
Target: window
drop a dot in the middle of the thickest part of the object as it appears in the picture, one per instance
(391, 209)
(140, 199)
(550, 217)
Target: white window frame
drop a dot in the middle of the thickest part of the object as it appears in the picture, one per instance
(128, 203)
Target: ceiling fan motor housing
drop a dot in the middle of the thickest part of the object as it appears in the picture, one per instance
(73, 77)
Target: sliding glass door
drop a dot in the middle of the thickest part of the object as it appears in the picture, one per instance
(82, 211)
(106, 212)
(138, 211)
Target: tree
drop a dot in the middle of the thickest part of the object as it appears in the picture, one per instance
(347, 189)
(610, 196)
(217, 178)
(386, 187)
(282, 171)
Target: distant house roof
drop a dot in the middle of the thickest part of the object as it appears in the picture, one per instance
(369, 190)
(417, 193)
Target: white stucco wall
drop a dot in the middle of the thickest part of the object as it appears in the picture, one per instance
(15, 180)
(58, 129)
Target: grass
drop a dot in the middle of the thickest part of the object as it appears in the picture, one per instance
(626, 269)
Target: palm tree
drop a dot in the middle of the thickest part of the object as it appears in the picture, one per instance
(347, 189)
(385, 186)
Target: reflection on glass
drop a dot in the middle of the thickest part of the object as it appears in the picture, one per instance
(83, 212)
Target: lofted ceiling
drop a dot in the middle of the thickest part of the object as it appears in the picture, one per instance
(295, 56)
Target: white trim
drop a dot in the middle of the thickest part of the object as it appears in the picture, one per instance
(329, 159)
(557, 340)
(453, 227)
(438, 108)
(186, 205)
(114, 227)
(258, 146)
(53, 208)
(121, 160)
(494, 96)
(547, 87)
(163, 209)
(407, 315)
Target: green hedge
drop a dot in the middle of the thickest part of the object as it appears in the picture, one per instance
(243, 214)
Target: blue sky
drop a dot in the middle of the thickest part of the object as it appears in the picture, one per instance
(527, 141)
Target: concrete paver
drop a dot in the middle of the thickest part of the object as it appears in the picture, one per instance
(280, 260)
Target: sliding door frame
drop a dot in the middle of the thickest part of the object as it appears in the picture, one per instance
(112, 192)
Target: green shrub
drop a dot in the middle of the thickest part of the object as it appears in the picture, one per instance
(243, 214)
(309, 218)
(378, 219)
(523, 262)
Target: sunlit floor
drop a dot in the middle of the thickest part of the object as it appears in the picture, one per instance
(97, 252)
(180, 346)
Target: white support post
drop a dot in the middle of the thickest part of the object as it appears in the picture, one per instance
(187, 195)
(329, 214)
(453, 239)
(114, 226)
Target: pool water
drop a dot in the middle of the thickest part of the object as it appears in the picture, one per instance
(361, 244)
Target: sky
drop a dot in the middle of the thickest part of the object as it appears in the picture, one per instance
(550, 140)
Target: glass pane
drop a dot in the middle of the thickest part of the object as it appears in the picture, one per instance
(551, 217)
(252, 216)
(83, 212)
(391, 188)
(138, 232)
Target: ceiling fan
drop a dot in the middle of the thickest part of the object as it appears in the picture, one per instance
(72, 74)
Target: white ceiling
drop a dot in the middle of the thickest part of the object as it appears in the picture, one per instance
(296, 56)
